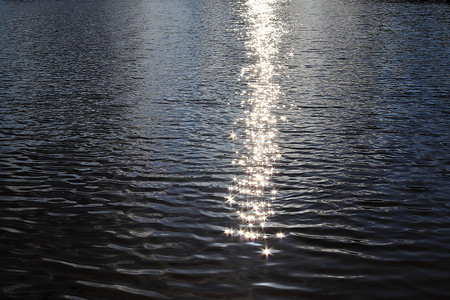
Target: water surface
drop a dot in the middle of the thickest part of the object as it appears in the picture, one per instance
(249, 149)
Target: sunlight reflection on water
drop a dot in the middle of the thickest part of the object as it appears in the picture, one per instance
(251, 192)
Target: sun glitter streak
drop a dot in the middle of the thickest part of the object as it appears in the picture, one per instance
(251, 191)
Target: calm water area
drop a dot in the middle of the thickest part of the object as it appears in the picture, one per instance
(224, 149)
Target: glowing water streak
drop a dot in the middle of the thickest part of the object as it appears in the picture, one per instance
(251, 191)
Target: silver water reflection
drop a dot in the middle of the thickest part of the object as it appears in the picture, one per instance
(251, 191)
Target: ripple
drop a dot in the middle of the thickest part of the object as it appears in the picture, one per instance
(120, 125)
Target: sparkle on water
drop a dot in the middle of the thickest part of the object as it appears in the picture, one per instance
(266, 252)
(251, 192)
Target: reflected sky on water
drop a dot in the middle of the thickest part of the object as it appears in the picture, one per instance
(209, 149)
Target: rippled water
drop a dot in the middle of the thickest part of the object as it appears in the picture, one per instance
(211, 149)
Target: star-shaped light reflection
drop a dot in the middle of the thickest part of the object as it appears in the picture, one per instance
(266, 252)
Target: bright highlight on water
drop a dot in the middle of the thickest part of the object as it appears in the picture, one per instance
(251, 192)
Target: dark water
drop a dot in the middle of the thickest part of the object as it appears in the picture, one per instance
(126, 126)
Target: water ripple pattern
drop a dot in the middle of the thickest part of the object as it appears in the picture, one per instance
(124, 122)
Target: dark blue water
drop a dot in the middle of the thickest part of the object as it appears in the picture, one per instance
(212, 149)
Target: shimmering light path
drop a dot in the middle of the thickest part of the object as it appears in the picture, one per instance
(251, 191)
